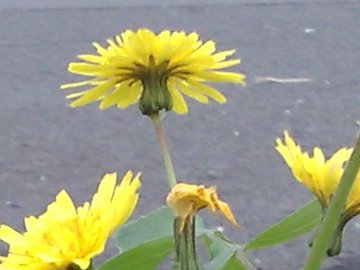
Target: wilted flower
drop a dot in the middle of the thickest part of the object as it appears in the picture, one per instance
(66, 237)
(186, 200)
(155, 69)
(322, 177)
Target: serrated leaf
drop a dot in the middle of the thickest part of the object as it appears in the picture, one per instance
(143, 257)
(296, 224)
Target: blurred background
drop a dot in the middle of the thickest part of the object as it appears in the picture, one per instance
(301, 59)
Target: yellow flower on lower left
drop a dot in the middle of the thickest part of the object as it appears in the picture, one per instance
(66, 237)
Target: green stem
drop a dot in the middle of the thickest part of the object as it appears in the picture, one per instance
(241, 256)
(332, 215)
(164, 150)
(185, 244)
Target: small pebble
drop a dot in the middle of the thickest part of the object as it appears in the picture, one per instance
(11, 204)
(212, 174)
(309, 30)
(220, 228)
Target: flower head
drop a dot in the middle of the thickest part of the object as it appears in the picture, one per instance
(186, 200)
(155, 70)
(66, 237)
(319, 175)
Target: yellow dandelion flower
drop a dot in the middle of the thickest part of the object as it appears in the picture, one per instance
(66, 237)
(186, 200)
(319, 175)
(156, 70)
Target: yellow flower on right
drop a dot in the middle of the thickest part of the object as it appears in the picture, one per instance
(321, 176)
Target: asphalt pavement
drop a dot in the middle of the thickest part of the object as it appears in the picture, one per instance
(302, 62)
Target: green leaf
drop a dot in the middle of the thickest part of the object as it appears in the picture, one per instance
(156, 225)
(233, 264)
(146, 241)
(206, 241)
(143, 257)
(225, 261)
(223, 254)
(298, 223)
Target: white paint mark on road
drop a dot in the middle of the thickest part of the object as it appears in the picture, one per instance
(282, 80)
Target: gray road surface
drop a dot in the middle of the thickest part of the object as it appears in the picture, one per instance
(46, 146)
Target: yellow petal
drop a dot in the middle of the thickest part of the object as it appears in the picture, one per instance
(125, 198)
(220, 56)
(218, 76)
(62, 204)
(84, 68)
(93, 94)
(82, 263)
(225, 210)
(226, 64)
(9, 235)
(208, 91)
(95, 59)
(100, 50)
(128, 94)
(76, 84)
(206, 49)
(184, 88)
(105, 191)
(179, 103)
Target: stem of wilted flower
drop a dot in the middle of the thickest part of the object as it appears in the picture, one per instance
(185, 239)
(164, 150)
(332, 215)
